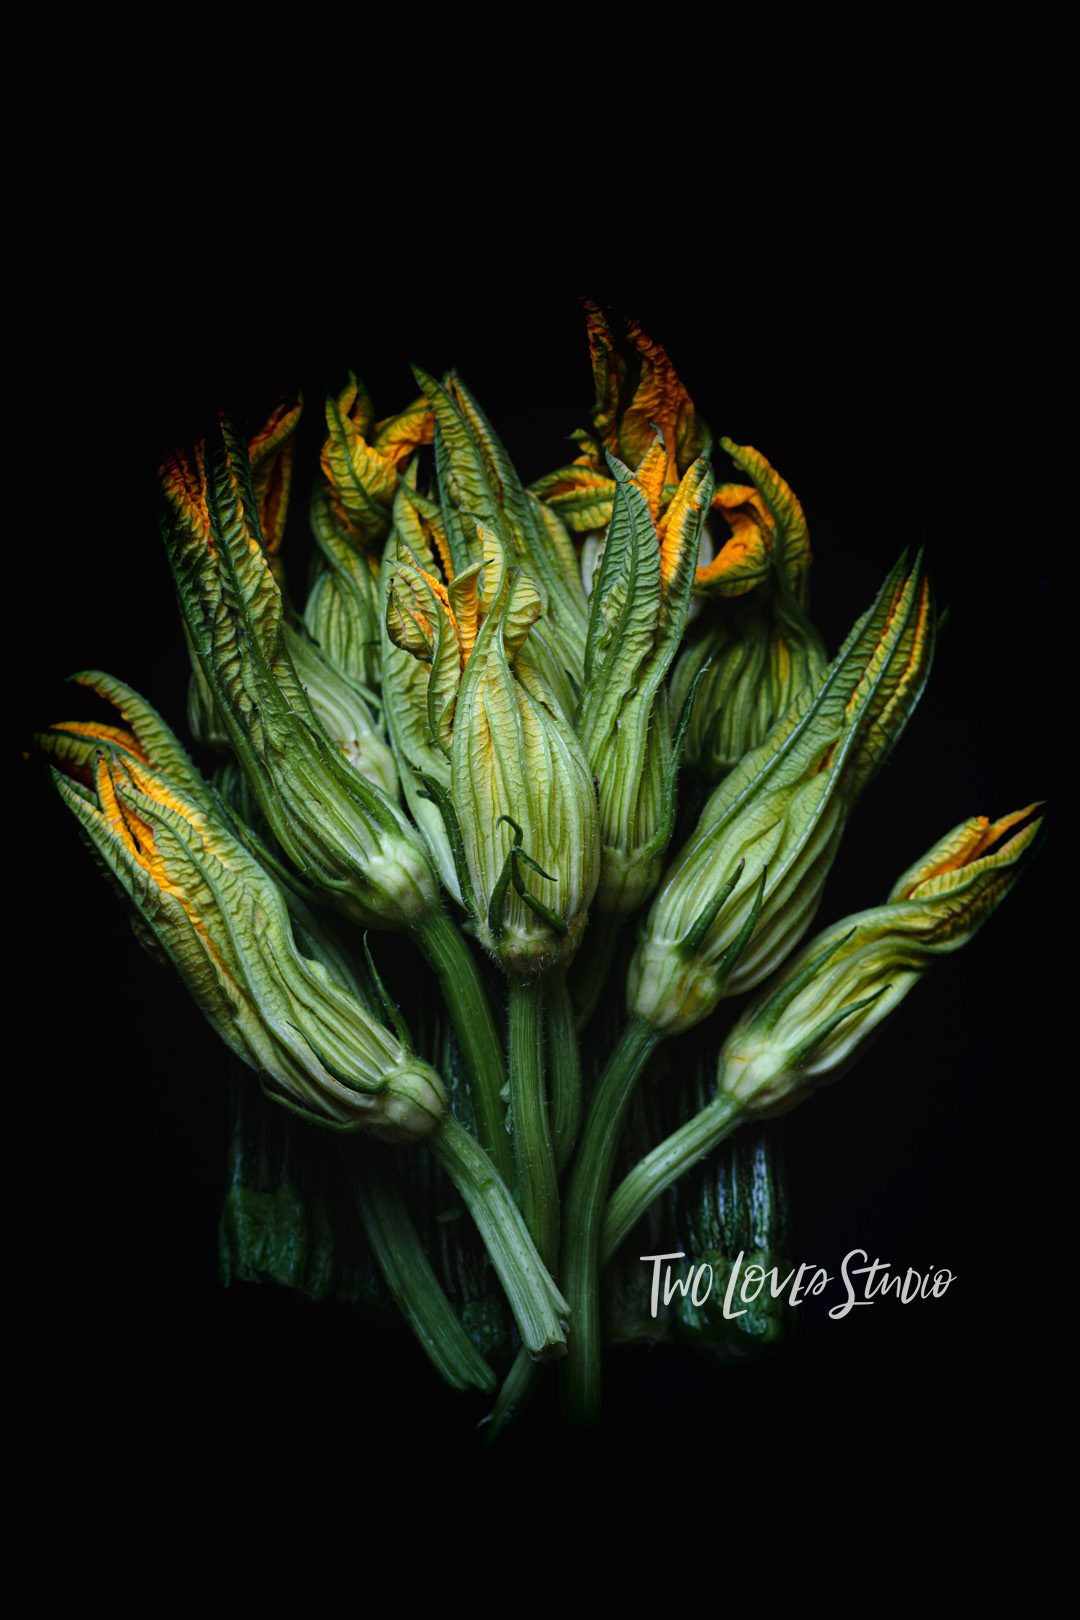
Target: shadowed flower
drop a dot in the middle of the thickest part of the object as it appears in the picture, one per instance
(779, 816)
(205, 904)
(809, 1028)
(345, 835)
(521, 798)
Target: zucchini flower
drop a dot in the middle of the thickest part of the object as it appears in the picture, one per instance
(346, 711)
(345, 835)
(478, 485)
(809, 1029)
(753, 646)
(205, 904)
(521, 797)
(350, 516)
(779, 817)
(809, 1026)
(270, 455)
(638, 393)
(638, 611)
(362, 458)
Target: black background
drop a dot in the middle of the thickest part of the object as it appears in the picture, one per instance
(901, 395)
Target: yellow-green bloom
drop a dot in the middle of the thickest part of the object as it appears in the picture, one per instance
(638, 609)
(478, 485)
(206, 904)
(638, 394)
(745, 887)
(343, 833)
(362, 458)
(351, 513)
(753, 645)
(811, 1026)
(522, 805)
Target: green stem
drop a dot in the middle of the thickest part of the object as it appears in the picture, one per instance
(393, 1237)
(564, 1067)
(518, 1388)
(586, 1201)
(665, 1164)
(593, 964)
(534, 1156)
(541, 1312)
(466, 999)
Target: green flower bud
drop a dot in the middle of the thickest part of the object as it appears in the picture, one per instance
(638, 609)
(478, 485)
(753, 645)
(779, 817)
(522, 806)
(520, 782)
(205, 904)
(810, 1027)
(343, 610)
(342, 832)
(346, 712)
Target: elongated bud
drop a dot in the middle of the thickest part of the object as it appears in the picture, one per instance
(206, 905)
(479, 485)
(270, 452)
(344, 835)
(361, 460)
(638, 394)
(346, 711)
(753, 649)
(525, 804)
(343, 610)
(808, 1028)
(744, 888)
(640, 600)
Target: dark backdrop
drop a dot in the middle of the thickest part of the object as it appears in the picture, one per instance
(901, 400)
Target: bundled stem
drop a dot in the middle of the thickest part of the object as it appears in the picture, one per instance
(564, 1066)
(664, 1165)
(541, 1312)
(534, 1155)
(416, 1290)
(586, 1201)
(467, 1002)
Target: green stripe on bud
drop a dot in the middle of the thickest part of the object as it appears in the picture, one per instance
(207, 904)
(808, 1029)
(638, 610)
(519, 780)
(345, 836)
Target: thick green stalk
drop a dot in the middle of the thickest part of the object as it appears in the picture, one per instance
(466, 999)
(393, 1237)
(534, 1155)
(564, 1068)
(541, 1312)
(665, 1164)
(585, 1206)
(519, 1387)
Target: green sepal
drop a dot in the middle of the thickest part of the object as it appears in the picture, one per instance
(727, 963)
(783, 998)
(705, 918)
(393, 1012)
(511, 874)
(372, 1089)
(827, 1025)
(336, 1127)
(437, 794)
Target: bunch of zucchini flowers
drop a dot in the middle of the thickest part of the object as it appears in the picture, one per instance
(536, 779)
